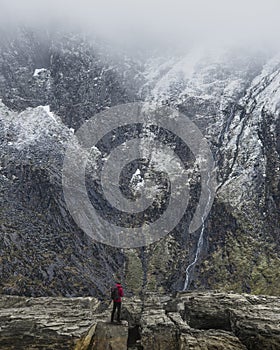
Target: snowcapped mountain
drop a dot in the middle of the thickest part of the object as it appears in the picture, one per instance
(51, 84)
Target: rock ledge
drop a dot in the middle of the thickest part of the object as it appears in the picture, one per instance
(191, 321)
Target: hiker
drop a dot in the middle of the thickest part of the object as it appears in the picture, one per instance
(116, 296)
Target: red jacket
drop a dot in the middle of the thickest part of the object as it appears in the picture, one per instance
(120, 289)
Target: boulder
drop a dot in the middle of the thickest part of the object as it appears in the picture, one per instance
(210, 340)
(109, 336)
(44, 323)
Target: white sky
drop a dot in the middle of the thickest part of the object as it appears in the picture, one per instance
(164, 22)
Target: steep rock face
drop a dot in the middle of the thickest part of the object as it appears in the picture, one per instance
(187, 321)
(233, 97)
(75, 76)
(42, 251)
(247, 191)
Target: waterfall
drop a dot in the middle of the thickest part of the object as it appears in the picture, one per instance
(201, 237)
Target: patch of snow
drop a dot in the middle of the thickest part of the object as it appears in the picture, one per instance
(177, 75)
(266, 86)
(38, 71)
(47, 109)
(32, 125)
(136, 180)
(207, 74)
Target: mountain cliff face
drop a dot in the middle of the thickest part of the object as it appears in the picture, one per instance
(51, 83)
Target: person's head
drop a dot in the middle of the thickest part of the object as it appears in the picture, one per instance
(117, 278)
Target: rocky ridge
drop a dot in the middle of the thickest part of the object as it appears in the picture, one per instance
(191, 321)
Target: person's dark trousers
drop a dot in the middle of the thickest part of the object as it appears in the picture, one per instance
(116, 306)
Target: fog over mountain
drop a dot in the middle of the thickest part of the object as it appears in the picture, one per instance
(160, 23)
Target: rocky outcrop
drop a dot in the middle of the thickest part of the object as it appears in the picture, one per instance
(186, 321)
(241, 314)
(207, 321)
(44, 323)
(109, 337)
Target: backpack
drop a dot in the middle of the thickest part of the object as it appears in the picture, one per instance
(114, 293)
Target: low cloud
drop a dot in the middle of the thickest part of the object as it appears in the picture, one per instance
(165, 22)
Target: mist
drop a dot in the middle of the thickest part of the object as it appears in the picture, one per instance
(159, 23)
